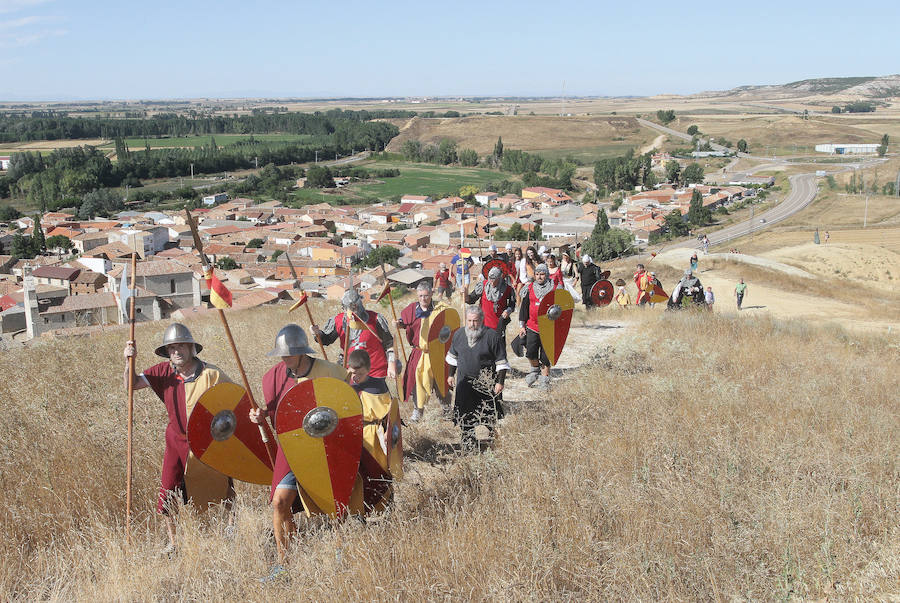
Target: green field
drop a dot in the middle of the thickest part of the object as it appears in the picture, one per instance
(425, 179)
(222, 140)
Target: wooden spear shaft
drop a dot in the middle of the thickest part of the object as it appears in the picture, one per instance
(297, 282)
(264, 429)
(399, 333)
(129, 441)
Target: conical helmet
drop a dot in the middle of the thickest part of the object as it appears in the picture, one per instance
(177, 333)
(291, 341)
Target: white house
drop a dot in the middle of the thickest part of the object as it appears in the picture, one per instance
(486, 198)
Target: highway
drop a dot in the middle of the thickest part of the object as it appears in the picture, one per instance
(803, 192)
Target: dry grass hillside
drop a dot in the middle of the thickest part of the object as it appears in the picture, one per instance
(697, 457)
(527, 132)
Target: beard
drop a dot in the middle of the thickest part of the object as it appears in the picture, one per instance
(473, 335)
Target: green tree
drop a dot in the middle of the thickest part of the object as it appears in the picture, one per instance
(382, 255)
(226, 263)
(275, 255)
(468, 192)
(255, 243)
(468, 157)
(447, 152)
(693, 174)
(742, 145)
(498, 149)
(59, 242)
(665, 117)
(673, 171)
(9, 213)
(697, 214)
(835, 109)
(21, 248)
(38, 243)
(675, 224)
(692, 130)
(319, 177)
(883, 147)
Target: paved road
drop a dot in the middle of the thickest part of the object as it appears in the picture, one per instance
(681, 135)
(803, 192)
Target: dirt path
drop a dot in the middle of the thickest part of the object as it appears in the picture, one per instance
(656, 144)
(762, 298)
(434, 442)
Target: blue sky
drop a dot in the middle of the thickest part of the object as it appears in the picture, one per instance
(97, 49)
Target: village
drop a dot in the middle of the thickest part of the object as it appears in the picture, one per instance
(76, 290)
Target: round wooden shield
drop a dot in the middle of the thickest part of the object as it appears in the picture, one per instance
(554, 318)
(602, 293)
(222, 436)
(443, 326)
(498, 263)
(319, 424)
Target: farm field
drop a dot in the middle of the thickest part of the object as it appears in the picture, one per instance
(782, 135)
(530, 133)
(418, 179)
(423, 179)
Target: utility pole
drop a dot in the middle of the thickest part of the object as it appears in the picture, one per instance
(192, 172)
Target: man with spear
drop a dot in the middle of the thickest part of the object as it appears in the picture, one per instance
(178, 382)
(297, 364)
(361, 329)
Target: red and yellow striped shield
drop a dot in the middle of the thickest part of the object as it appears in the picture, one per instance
(320, 426)
(222, 436)
(554, 317)
(443, 326)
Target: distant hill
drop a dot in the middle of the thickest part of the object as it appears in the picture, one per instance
(857, 87)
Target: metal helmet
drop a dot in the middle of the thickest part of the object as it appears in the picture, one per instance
(291, 341)
(177, 333)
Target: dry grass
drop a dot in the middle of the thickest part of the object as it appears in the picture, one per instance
(873, 301)
(528, 133)
(790, 134)
(700, 458)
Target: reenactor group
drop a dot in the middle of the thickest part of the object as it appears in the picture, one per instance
(327, 437)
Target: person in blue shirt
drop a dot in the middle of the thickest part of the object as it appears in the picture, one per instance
(461, 268)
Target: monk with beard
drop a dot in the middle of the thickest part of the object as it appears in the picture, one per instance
(478, 365)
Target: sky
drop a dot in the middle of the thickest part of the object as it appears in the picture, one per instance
(99, 49)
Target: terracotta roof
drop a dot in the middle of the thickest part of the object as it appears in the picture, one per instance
(58, 272)
(74, 303)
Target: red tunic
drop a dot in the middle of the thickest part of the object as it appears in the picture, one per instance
(367, 341)
(276, 383)
(557, 279)
(493, 310)
(170, 388)
(534, 303)
(442, 279)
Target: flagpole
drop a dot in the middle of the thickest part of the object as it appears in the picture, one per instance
(399, 335)
(303, 299)
(264, 428)
(129, 440)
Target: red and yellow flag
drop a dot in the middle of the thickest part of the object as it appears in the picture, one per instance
(219, 295)
(384, 292)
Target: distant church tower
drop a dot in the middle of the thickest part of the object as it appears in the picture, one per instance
(31, 315)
